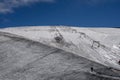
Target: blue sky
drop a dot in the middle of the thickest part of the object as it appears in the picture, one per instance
(84, 13)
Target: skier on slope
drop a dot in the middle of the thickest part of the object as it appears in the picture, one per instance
(119, 62)
(91, 69)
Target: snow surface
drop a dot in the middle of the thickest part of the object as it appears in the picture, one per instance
(78, 41)
(25, 59)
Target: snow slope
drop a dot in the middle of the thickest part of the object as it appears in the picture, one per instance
(77, 40)
(25, 59)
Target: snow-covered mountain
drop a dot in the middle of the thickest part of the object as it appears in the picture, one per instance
(99, 46)
(78, 41)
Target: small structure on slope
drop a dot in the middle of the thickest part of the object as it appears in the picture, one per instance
(95, 44)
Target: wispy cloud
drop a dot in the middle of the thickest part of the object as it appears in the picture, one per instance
(7, 6)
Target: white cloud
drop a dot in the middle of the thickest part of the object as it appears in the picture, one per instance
(7, 6)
